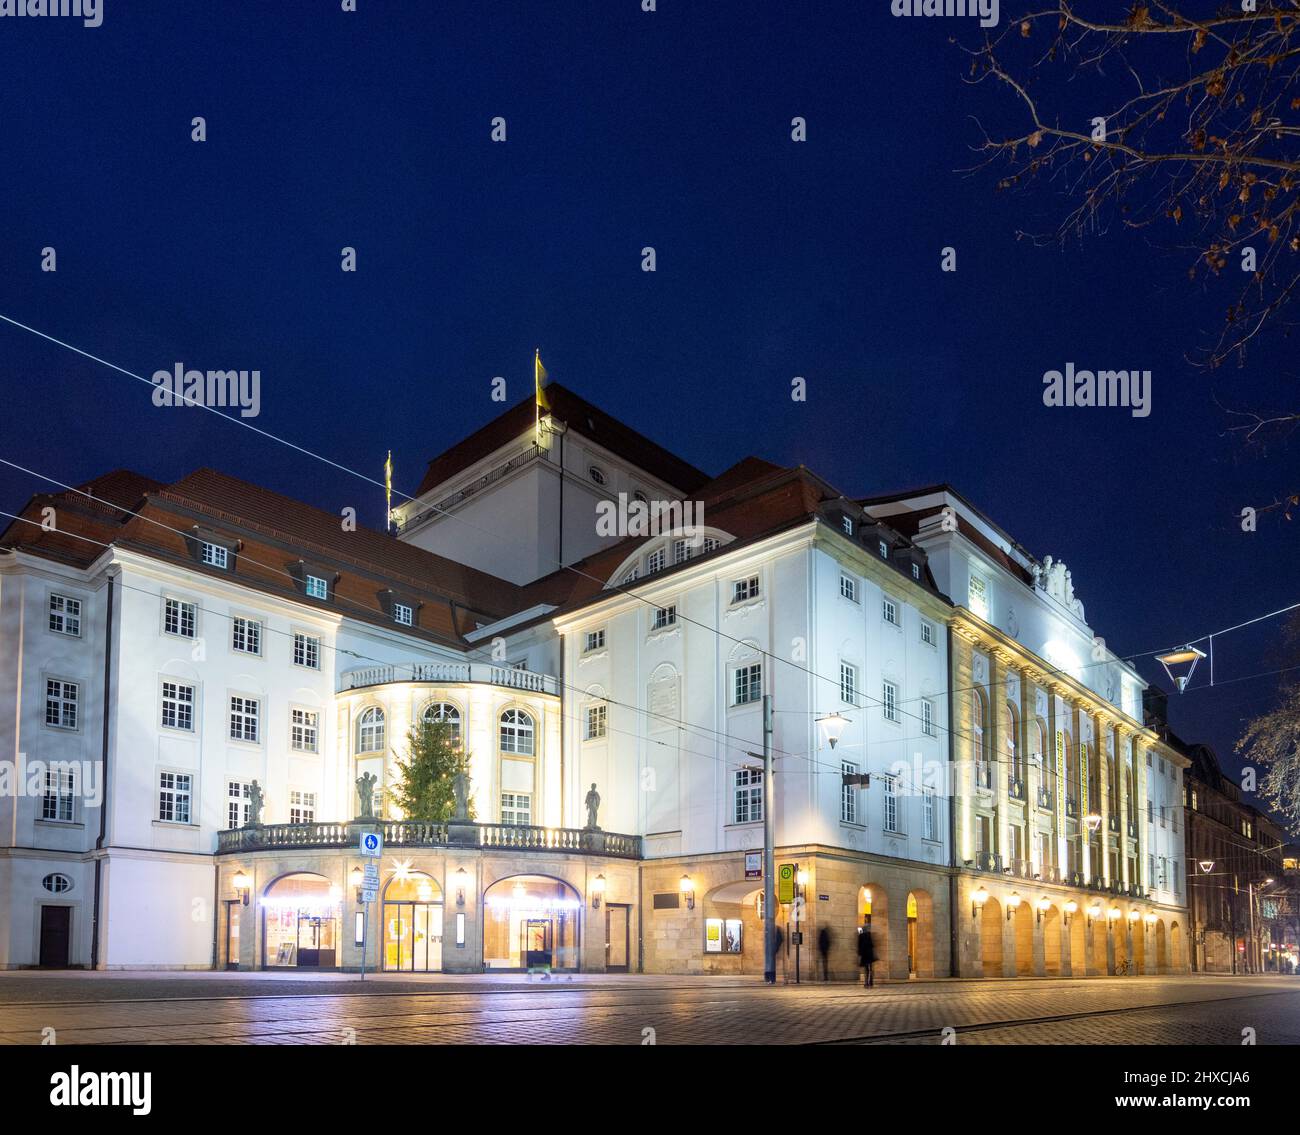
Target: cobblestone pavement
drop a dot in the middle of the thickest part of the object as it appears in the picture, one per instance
(264, 1008)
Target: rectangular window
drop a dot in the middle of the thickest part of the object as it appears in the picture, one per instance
(243, 719)
(743, 589)
(847, 524)
(747, 789)
(927, 716)
(304, 730)
(889, 701)
(246, 636)
(237, 807)
(214, 555)
(664, 617)
(316, 587)
(681, 551)
(516, 808)
(61, 704)
(65, 615)
(654, 561)
(889, 611)
(56, 804)
(748, 684)
(884, 549)
(849, 588)
(179, 618)
(593, 640)
(891, 804)
(174, 797)
(178, 706)
(596, 722)
(1149, 808)
(927, 814)
(306, 651)
(710, 544)
(848, 683)
(302, 807)
(403, 614)
(916, 571)
(927, 633)
(849, 794)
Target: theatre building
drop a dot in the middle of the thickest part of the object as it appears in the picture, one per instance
(213, 688)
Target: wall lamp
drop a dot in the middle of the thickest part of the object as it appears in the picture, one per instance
(356, 876)
(688, 891)
(977, 901)
(1094, 913)
(1151, 918)
(1044, 905)
(242, 884)
(1113, 914)
(1134, 915)
(461, 876)
(597, 890)
(1013, 904)
(1071, 909)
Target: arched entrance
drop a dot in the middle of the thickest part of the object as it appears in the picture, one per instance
(1119, 940)
(300, 922)
(991, 937)
(1052, 944)
(1162, 948)
(1078, 943)
(1139, 931)
(1024, 939)
(873, 919)
(1176, 948)
(412, 923)
(920, 934)
(733, 930)
(530, 922)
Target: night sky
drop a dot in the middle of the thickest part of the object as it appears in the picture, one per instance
(625, 129)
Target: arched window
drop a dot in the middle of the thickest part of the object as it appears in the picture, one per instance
(1011, 741)
(370, 731)
(978, 727)
(444, 713)
(517, 732)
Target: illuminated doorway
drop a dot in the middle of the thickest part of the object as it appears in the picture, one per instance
(413, 923)
(300, 927)
(911, 936)
(530, 922)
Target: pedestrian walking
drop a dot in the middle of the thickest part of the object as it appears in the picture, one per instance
(824, 951)
(867, 957)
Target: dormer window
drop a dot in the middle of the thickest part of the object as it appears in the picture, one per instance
(916, 571)
(884, 549)
(846, 523)
(403, 614)
(214, 555)
(597, 474)
(654, 561)
(316, 586)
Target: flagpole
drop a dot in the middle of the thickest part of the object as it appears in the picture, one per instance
(388, 490)
(537, 396)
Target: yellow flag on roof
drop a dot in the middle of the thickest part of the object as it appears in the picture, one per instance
(388, 487)
(541, 402)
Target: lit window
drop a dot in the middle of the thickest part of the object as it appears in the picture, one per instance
(743, 589)
(371, 730)
(237, 803)
(65, 615)
(748, 684)
(447, 715)
(60, 704)
(593, 640)
(884, 549)
(174, 797)
(304, 730)
(403, 614)
(517, 734)
(246, 636)
(302, 807)
(214, 555)
(916, 571)
(664, 617)
(596, 722)
(747, 790)
(846, 523)
(243, 718)
(306, 651)
(516, 808)
(316, 587)
(849, 588)
(179, 618)
(178, 706)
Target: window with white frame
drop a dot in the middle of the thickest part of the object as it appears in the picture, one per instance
(593, 640)
(916, 571)
(306, 650)
(61, 703)
(316, 586)
(930, 828)
(884, 549)
(889, 701)
(747, 795)
(517, 732)
(664, 617)
(710, 544)
(447, 715)
(65, 615)
(516, 808)
(178, 706)
(849, 588)
(403, 614)
(848, 683)
(596, 720)
(57, 802)
(681, 551)
(238, 807)
(743, 589)
(246, 635)
(848, 794)
(927, 633)
(371, 730)
(889, 610)
(747, 684)
(304, 730)
(891, 803)
(214, 555)
(302, 807)
(175, 797)
(179, 618)
(927, 716)
(654, 561)
(846, 523)
(243, 718)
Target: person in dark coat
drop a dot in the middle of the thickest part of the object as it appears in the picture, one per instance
(824, 951)
(867, 956)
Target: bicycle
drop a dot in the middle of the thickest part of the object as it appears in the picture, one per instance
(1121, 969)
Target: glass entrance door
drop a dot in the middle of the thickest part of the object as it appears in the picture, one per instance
(536, 942)
(316, 945)
(413, 936)
(617, 945)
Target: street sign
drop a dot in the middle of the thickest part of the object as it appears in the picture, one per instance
(372, 843)
(753, 865)
(371, 877)
(369, 896)
(785, 879)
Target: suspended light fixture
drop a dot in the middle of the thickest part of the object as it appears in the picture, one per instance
(1184, 659)
(832, 727)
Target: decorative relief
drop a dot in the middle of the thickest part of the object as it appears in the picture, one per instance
(1053, 579)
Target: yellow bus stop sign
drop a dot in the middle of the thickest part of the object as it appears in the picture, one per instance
(785, 877)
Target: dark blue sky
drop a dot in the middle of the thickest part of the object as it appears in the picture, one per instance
(626, 129)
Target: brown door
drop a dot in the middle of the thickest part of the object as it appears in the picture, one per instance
(618, 923)
(56, 925)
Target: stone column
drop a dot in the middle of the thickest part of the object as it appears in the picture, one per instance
(995, 750)
(963, 770)
(1081, 792)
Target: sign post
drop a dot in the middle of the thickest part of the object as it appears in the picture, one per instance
(372, 846)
